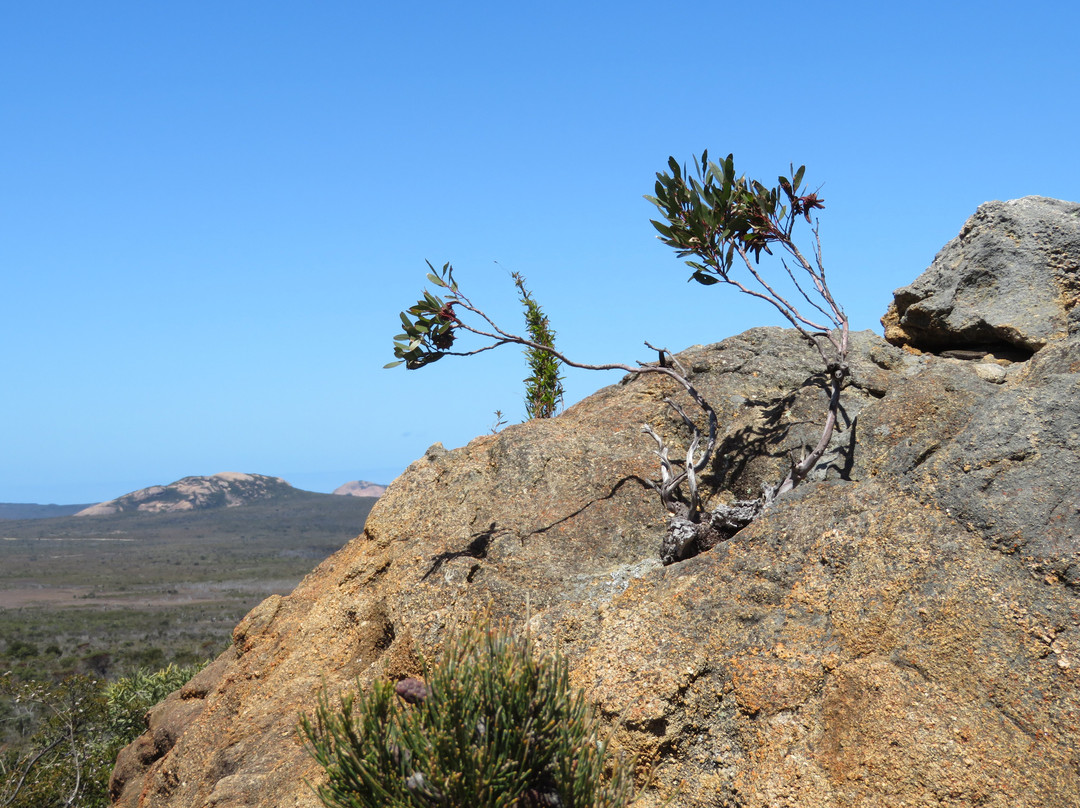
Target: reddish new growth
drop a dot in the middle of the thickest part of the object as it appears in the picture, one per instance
(446, 313)
(805, 204)
(444, 340)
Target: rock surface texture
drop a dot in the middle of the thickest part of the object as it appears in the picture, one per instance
(902, 629)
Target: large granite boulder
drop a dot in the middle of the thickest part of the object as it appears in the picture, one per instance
(902, 629)
(1009, 282)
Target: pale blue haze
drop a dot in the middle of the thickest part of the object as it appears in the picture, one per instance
(211, 213)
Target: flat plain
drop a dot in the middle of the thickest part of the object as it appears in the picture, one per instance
(103, 595)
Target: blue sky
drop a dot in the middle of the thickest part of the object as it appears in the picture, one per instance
(211, 213)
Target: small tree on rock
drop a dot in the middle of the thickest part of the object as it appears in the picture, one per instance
(724, 222)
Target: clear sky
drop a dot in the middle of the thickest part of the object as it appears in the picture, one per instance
(212, 213)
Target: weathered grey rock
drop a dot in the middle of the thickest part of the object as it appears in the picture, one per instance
(1003, 459)
(903, 628)
(1010, 279)
(989, 372)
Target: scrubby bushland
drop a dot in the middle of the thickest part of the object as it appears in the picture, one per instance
(67, 734)
(493, 724)
(725, 222)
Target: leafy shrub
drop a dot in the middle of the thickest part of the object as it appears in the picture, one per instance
(68, 753)
(70, 732)
(725, 222)
(493, 726)
(130, 698)
(20, 649)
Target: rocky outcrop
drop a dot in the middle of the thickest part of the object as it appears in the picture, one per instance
(902, 629)
(1008, 284)
(360, 488)
(225, 490)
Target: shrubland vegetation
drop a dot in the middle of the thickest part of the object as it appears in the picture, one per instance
(143, 593)
(67, 734)
(153, 589)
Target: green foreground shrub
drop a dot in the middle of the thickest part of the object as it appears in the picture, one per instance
(494, 725)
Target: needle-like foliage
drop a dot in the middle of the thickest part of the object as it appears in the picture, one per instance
(493, 725)
(543, 389)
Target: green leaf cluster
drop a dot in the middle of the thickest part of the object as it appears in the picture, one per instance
(128, 699)
(544, 388)
(497, 726)
(715, 215)
(428, 325)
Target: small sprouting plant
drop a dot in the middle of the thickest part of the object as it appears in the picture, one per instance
(493, 724)
(544, 389)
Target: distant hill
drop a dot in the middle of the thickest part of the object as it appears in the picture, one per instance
(225, 490)
(360, 488)
(26, 510)
(292, 518)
